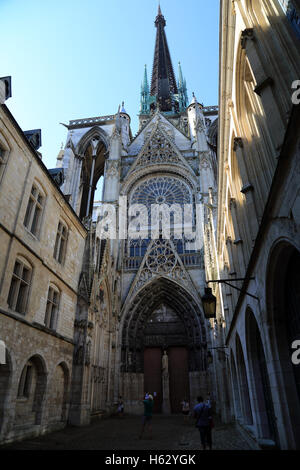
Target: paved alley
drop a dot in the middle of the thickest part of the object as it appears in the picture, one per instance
(169, 433)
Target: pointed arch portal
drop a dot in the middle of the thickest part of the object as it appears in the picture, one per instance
(163, 316)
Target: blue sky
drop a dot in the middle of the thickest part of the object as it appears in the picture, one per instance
(72, 59)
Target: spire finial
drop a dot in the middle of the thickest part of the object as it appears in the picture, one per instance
(163, 81)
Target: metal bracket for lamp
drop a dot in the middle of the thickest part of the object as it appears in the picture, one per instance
(209, 300)
(226, 281)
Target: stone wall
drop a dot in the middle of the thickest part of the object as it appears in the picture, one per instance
(35, 401)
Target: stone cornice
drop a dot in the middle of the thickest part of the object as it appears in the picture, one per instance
(36, 326)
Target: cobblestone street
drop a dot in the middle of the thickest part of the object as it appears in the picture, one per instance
(169, 433)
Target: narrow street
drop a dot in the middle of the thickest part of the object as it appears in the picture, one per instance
(169, 433)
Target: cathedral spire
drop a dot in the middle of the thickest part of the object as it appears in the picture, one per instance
(163, 83)
(182, 91)
(145, 94)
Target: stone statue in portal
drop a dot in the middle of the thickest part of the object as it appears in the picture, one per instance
(165, 364)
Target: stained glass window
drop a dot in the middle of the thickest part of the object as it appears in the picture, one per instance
(162, 190)
(159, 190)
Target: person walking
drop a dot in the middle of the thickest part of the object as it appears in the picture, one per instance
(203, 415)
(147, 417)
(185, 409)
(120, 407)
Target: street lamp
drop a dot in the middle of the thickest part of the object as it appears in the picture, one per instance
(209, 303)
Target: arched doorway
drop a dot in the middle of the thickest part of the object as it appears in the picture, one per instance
(283, 295)
(235, 388)
(243, 383)
(262, 391)
(31, 392)
(5, 383)
(292, 313)
(165, 317)
(165, 335)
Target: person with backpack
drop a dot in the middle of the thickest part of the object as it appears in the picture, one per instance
(203, 415)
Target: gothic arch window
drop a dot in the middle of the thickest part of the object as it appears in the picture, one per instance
(161, 190)
(92, 149)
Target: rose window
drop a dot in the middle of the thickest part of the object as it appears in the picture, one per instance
(162, 190)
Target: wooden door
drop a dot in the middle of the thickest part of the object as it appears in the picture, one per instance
(179, 377)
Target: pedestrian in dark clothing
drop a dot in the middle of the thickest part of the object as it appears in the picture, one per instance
(147, 418)
(202, 413)
(120, 407)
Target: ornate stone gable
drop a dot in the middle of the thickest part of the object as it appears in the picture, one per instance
(161, 260)
(159, 147)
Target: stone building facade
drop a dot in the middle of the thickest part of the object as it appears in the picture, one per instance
(141, 295)
(86, 318)
(90, 311)
(258, 227)
(42, 245)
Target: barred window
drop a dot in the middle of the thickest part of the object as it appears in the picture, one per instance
(19, 287)
(61, 243)
(25, 381)
(52, 307)
(34, 210)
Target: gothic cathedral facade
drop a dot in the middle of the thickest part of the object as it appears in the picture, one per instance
(139, 292)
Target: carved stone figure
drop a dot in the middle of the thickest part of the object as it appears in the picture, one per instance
(165, 363)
